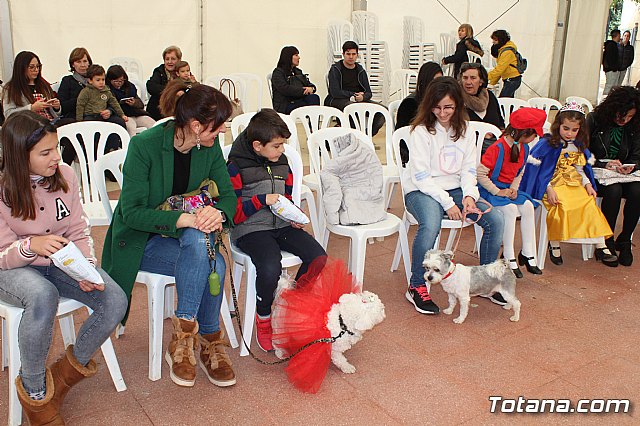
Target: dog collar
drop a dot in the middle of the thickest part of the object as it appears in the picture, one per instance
(450, 272)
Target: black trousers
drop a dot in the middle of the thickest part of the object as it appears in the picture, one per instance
(263, 247)
(612, 196)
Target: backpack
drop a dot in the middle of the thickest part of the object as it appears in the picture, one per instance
(521, 63)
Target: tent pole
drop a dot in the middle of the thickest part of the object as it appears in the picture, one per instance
(201, 40)
(562, 50)
(6, 39)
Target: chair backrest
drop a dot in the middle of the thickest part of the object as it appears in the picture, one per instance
(393, 110)
(315, 117)
(480, 130)
(581, 101)
(82, 136)
(238, 82)
(508, 105)
(132, 66)
(295, 162)
(402, 134)
(362, 114)
(142, 89)
(270, 86)
(55, 86)
(112, 162)
(319, 140)
(473, 57)
(251, 80)
(162, 120)
(544, 104)
(404, 80)
(241, 122)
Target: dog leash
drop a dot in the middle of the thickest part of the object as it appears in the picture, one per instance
(476, 211)
(343, 327)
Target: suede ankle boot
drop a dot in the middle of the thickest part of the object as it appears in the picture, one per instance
(42, 412)
(180, 354)
(214, 360)
(67, 372)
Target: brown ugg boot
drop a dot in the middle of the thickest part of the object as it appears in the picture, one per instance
(214, 360)
(44, 411)
(180, 354)
(67, 372)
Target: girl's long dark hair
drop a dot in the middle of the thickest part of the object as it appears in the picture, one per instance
(18, 86)
(115, 72)
(582, 138)
(516, 135)
(286, 54)
(436, 91)
(427, 73)
(20, 133)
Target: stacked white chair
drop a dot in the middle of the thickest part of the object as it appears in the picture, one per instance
(508, 105)
(338, 31)
(374, 57)
(419, 53)
(160, 291)
(412, 29)
(10, 317)
(404, 82)
(358, 234)
(132, 66)
(365, 26)
(447, 47)
(86, 131)
(242, 262)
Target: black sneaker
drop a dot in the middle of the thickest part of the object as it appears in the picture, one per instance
(495, 298)
(419, 297)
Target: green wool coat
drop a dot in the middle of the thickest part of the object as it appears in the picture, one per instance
(148, 181)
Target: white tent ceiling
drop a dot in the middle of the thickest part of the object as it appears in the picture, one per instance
(246, 35)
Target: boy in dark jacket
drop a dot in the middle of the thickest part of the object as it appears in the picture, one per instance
(611, 61)
(260, 173)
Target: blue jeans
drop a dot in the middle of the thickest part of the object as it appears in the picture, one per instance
(509, 87)
(429, 213)
(186, 259)
(37, 289)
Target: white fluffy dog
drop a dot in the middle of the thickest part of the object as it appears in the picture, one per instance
(354, 314)
(461, 282)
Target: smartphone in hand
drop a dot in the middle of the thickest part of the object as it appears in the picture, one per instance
(126, 99)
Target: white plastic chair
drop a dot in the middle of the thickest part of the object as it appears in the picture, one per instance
(132, 66)
(543, 239)
(270, 86)
(473, 57)
(251, 80)
(241, 88)
(362, 114)
(581, 101)
(403, 80)
(482, 129)
(508, 105)
(160, 291)
(11, 317)
(142, 89)
(358, 234)
(86, 131)
(393, 110)
(545, 104)
(242, 261)
(404, 134)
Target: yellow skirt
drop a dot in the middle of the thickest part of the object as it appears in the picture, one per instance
(575, 216)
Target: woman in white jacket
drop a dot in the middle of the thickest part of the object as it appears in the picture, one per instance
(442, 179)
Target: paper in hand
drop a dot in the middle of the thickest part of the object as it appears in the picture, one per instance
(288, 211)
(72, 262)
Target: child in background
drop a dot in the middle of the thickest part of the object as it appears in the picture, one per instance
(95, 97)
(565, 183)
(499, 175)
(127, 94)
(260, 173)
(183, 72)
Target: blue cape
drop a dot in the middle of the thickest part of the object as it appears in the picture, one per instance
(537, 177)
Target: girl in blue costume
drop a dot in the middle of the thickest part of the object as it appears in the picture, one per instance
(499, 175)
(564, 182)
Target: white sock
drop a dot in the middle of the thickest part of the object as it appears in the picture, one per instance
(264, 317)
(38, 396)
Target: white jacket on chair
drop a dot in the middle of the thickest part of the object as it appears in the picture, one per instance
(352, 184)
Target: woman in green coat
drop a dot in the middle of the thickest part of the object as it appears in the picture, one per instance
(172, 159)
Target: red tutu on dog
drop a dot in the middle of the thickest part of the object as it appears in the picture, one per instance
(300, 316)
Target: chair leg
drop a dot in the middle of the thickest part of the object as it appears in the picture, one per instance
(406, 256)
(358, 256)
(5, 345)
(477, 229)
(249, 310)
(112, 363)
(227, 321)
(68, 329)
(169, 301)
(451, 238)
(313, 215)
(155, 300)
(396, 255)
(15, 409)
(390, 191)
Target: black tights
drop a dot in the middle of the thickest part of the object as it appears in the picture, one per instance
(612, 196)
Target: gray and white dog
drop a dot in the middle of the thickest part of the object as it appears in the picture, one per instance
(461, 282)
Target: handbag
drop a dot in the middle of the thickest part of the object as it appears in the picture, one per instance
(205, 195)
(235, 101)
